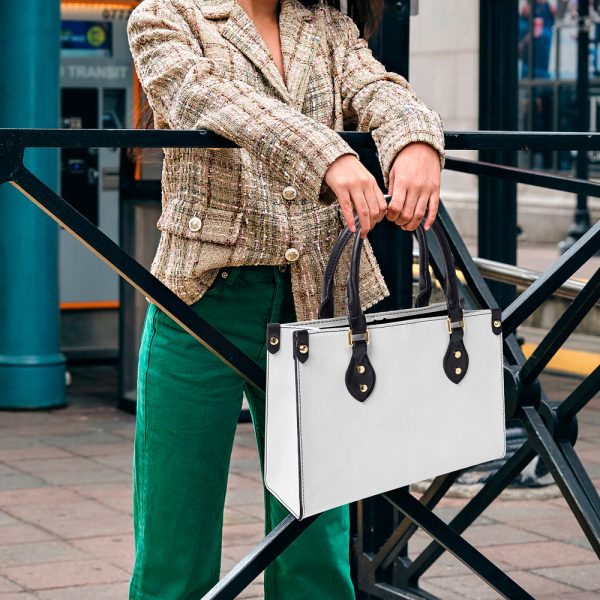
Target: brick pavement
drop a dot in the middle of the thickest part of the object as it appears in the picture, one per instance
(65, 509)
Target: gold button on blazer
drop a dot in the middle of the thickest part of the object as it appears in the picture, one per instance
(203, 65)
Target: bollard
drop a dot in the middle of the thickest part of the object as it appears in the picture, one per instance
(32, 369)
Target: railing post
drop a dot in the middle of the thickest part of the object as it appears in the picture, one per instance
(498, 110)
(32, 369)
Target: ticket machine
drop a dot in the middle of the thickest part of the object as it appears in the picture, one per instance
(97, 92)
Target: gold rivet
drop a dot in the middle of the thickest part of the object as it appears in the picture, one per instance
(497, 324)
(303, 349)
(363, 387)
(274, 341)
(457, 354)
(360, 369)
(458, 370)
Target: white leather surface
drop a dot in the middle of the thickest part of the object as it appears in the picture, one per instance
(415, 425)
(281, 437)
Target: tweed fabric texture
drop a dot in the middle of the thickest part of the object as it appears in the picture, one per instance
(203, 65)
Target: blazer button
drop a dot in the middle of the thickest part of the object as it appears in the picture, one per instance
(289, 192)
(195, 223)
(291, 254)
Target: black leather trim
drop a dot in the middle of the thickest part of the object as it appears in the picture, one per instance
(301, 341)
(354, 379)
(425, 287)
(451, 361)
(273, 333)
(497, 317)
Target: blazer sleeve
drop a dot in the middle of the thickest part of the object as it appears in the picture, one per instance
(190, 91)
(381, 101)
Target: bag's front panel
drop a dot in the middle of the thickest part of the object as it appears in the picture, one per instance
(281, 429)
(415, 425)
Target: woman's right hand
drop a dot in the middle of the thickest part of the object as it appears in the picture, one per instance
(356, 190)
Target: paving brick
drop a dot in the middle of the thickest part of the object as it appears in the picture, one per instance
(39, 552)
(243, 533)
(109, 547)
(43, 466)
(22, 533)
(112, 591)
(38, 495)
(11, 454)
(465, 586)
(557, 529)
(585, 577)
(539, 554)
(6, 519)
(492, 535)
(539, 586)
(64, 574)
(6, 585)
(18, 596)
(15, 481)
(515, 511)
(90, 450)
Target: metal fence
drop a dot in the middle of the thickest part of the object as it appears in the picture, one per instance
(383, 569)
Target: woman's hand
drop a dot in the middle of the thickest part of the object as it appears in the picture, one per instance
(414, 186)
(357, 189)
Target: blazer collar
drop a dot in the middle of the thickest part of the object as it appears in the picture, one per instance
(299, 41)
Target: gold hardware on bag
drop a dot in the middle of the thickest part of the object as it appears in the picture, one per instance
(497, 324)
(449, 323)
(303, 349)
(457, 354)
(363, 387)
(458, 370)
(274, 341)
(361, 369)
(351, 343)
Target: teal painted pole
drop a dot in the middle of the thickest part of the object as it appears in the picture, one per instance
(32, 369)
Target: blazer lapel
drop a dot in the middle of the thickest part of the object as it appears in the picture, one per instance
(298, 35)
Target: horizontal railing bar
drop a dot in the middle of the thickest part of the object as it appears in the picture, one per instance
(202, 138)
(560, 183)
(551, 279)
(505, 273)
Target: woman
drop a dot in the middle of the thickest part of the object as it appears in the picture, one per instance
(245, 235)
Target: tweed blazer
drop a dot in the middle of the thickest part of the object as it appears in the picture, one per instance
(203, 65)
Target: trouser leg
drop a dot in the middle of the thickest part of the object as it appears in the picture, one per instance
(187, 410)
(317, 564)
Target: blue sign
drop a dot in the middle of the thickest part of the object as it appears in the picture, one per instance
(86, 38)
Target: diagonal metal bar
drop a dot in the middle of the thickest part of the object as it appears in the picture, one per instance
(254, 563)
(580, 505)
(526, 176)
(459, 547)
(388, 552)
(537, 293)
(580, 396)
(128, 268)
(473, 509)
(561, 330)
(579, 470)
(521, 140)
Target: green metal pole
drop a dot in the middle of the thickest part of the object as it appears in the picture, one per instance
(32, 369)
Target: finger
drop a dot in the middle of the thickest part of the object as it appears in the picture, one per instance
(391, 181)
(408, 210)
(396, 204)
(347, 212)
(434, 203)
(362, 210)
(374, 208)
(418, 214)
(380, 201)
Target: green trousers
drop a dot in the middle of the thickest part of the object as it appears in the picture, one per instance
(188, 405)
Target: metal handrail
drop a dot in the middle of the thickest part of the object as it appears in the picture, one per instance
(505, 273)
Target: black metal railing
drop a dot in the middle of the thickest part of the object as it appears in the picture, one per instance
(385, 571)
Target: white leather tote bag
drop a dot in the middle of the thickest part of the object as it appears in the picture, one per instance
(362, 405)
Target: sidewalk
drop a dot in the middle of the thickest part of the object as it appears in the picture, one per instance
(65, 509)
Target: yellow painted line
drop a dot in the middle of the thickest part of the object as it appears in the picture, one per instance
(566, 360)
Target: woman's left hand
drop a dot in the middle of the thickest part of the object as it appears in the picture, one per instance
(414, 185)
